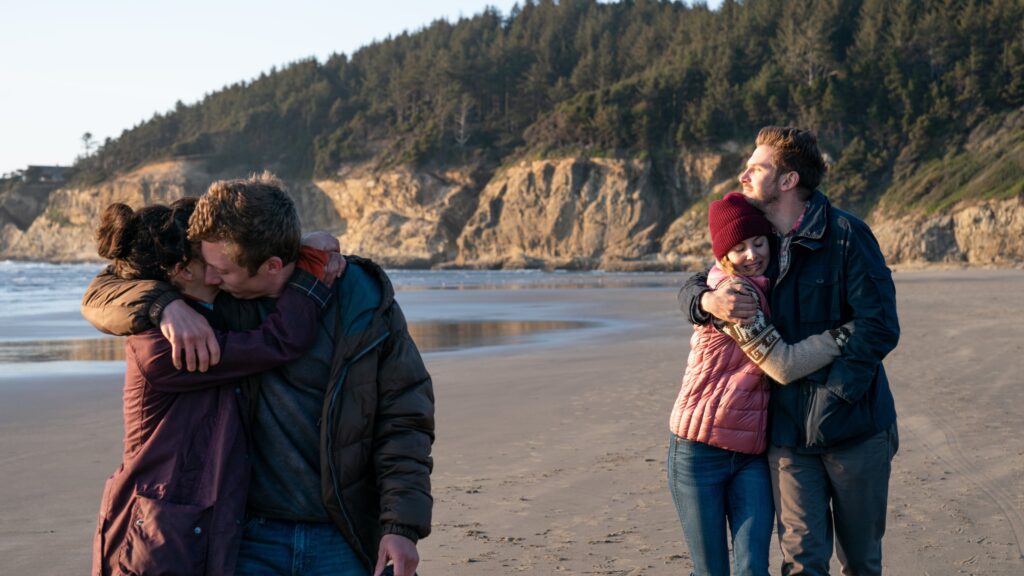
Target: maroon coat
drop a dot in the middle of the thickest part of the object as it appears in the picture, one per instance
(176, 503)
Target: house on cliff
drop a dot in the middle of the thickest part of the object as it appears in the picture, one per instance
(41, 174)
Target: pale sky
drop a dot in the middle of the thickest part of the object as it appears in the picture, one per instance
(71, 66)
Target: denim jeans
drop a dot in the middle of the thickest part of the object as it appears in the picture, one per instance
(714, 489)
(296, 549)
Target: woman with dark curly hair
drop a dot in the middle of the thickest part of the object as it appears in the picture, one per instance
(175, 504)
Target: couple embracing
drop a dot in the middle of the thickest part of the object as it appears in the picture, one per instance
(785, 414)
(302, 442)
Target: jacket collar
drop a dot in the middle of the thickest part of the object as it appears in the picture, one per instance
(815, 222)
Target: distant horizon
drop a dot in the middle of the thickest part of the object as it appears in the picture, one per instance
(108, 66)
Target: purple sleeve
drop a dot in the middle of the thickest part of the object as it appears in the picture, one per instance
(285, 335)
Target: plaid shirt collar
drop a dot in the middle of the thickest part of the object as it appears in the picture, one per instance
(787, 239)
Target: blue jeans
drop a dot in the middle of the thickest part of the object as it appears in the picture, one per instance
(296, 549)
(712, 487)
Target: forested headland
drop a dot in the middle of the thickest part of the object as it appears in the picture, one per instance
(586, 134)
(888, 86)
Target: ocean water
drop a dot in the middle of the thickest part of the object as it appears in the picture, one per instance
(40, 321)
(30, 288)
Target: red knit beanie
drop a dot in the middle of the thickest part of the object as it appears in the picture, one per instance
(732, 220)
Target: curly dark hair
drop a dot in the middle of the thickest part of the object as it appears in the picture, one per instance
(146, 244)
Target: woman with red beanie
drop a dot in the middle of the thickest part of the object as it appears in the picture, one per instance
(717, 471)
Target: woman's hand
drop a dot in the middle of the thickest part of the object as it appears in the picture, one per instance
(190, 336)
(327, 242)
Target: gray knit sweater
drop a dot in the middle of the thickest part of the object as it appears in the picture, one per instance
(781, 361)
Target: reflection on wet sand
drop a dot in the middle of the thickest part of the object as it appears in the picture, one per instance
(440, 336)
(430, 337)
(83, 350)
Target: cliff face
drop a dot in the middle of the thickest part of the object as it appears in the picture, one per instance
(23, 203)
(402, 218)
(579, 213)
(982, 233)
(583, 213)
(63, 231)
(569, 212)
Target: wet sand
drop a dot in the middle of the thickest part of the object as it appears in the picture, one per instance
(550, 453)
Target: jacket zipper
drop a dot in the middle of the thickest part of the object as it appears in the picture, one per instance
(330, 438)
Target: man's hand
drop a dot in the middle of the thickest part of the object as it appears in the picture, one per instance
(189, 333)
(730, 303)
(401, 552)
(321, 241)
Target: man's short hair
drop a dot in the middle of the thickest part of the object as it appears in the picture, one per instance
(795, 150)
(255, 215)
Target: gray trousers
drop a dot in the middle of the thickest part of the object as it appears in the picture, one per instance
(842, 491)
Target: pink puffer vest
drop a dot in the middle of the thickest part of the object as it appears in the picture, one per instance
(724, 398)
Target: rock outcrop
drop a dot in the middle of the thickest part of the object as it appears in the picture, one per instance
(24, 202)
(64, 230)
(974, 233)
(583, 213)
(579, 213)
(401, 218)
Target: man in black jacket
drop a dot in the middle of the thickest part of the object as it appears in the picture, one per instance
(832, 434)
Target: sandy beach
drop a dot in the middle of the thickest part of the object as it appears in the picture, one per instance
(550, 453)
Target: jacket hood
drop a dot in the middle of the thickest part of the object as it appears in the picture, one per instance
(366, 298)
(377, 274)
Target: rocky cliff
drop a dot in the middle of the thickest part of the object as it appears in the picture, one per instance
(989, 232)
(403, 218)
(582, 213)
(22, 203)
(63, 230)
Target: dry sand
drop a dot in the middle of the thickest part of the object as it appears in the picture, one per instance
(550, 457)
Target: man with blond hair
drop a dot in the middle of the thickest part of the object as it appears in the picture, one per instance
(832, 435)
(340, 440)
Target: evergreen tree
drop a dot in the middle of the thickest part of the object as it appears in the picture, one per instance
(886, 86)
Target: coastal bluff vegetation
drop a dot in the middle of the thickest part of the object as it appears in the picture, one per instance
(585, 135)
